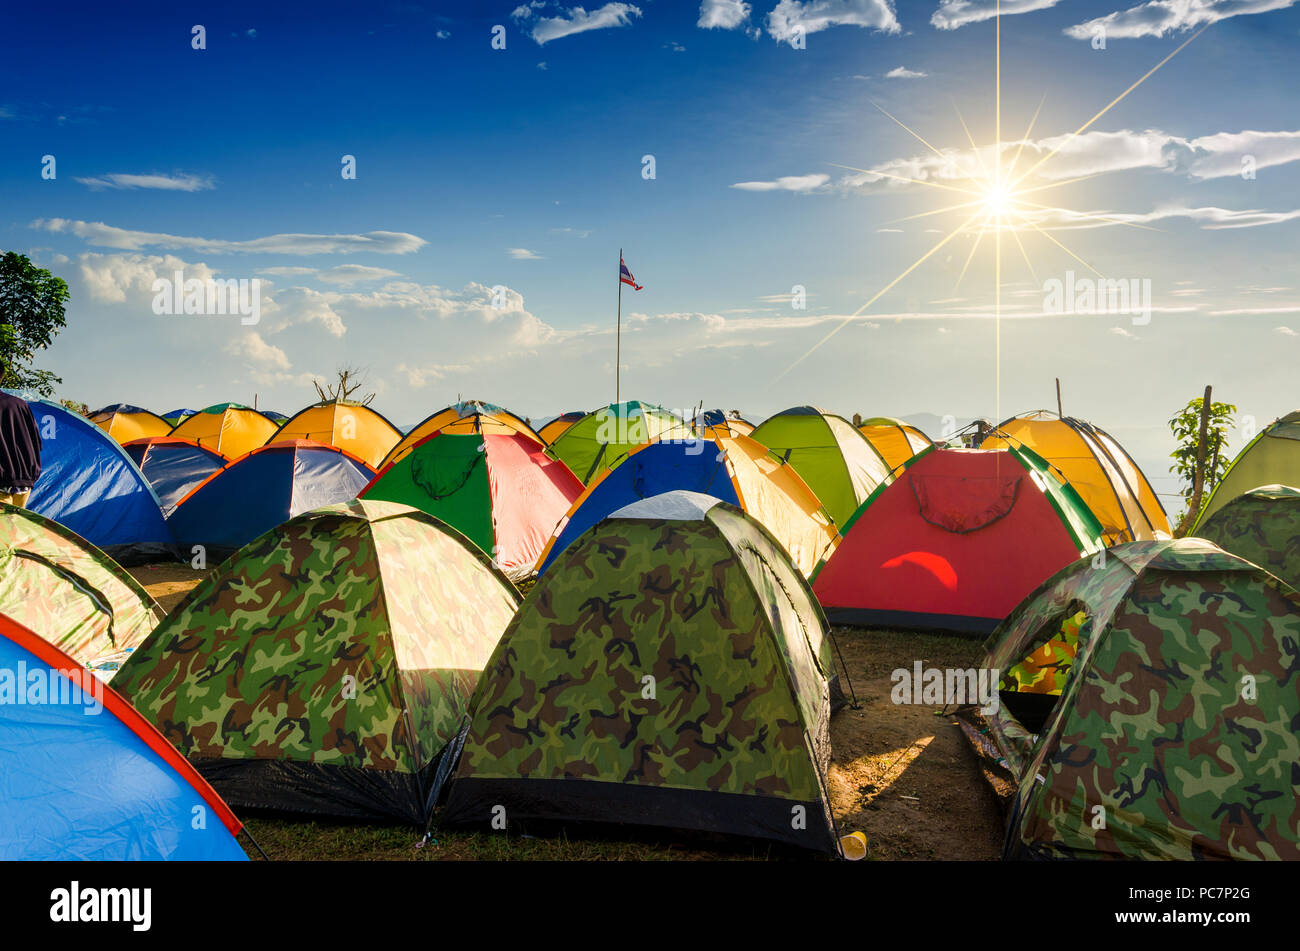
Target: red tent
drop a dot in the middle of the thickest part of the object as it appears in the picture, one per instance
(955, 542)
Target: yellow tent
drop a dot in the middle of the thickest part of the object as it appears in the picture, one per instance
(1104, 475)
(349, 426)
(125, 423)
(467, 416)
(231, 429)
(894, 439)
(551, 431)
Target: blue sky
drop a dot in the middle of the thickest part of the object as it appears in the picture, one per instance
(522, 168)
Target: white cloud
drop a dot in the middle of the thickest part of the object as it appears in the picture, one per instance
(1167, 16)
(579, 232)
(128, 278)
(255, 351)
(286, 271)
(422, 376)
(577, 20)
(723, 14)
(674, 46)
(349, 274)
(953, 14)
(902, 72)
(98, 233)
(523, 254)
(1119, 332)
(788, 183)
(178, 182)
(791, 17)
(889, 231)
(542, 66)
(443, 35)
(1286, 331)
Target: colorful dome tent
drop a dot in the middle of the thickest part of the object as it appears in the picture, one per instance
(278, 418)
(1145, 713)
(895, 440)
(716, 422)
(670, 670)
(1104, 475)
(551, 431)
(173, 466)
(90, 485)
(69, 592)
(176, 415)
(106, 787)
(1261, 526)
(601, 438)
(735, 469)
(350, 426)
(465, 416)
(125, 423)
(501, 491)
(1271, 458)
(231, 429)
(838, 462)
(324, 667)
(262, 489)
(955, 542)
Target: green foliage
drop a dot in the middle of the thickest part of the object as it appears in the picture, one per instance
(31, 314)
(76, 407)
(1186, 427)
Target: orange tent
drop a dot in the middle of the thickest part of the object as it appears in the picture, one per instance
(350, 426)
(467, 416)
(894, 439)
(231, 429)
(124, 422)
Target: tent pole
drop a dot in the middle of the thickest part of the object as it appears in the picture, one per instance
(1059, 414)
(618, 331)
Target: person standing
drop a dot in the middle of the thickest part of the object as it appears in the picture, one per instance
(20, 450)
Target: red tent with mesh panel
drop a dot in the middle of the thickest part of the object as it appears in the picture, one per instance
(955, 542)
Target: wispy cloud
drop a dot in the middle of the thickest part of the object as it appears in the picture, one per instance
(793, 17)
(723, 14)
(1169, 16)
(523, 254)
(176, 183)
(953, 14)
(346, 275)
(788, 183)
(108, 236)
(902, 72)
(574, 20)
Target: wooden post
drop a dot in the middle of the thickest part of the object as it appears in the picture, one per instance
(1198, 475)
(1059, 414)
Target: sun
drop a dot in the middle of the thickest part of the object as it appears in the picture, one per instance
(999, 202)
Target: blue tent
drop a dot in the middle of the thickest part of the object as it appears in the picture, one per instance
(653, 469)
(89, 484)
(263, 489)
(173, 466)
(99, 787)
(177, 416)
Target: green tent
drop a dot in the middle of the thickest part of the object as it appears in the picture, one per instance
(1147, 710)
(671, 669)
(500, 490)
(57, 584)
(594, 443)
(837, 461)
(1271, 458)
(324, 666)
(1262, 526)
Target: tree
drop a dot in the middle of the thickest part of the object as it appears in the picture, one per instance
(1199, 459)
(76, 407)
(31, 314)
(348, 382)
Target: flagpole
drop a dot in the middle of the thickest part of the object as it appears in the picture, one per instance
(618, 332)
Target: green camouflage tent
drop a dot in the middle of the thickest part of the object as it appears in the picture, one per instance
(1148, 709)
(325, 665)
(670, 669)
(594, 443)
(1262, 526)
(57, 584)
(1271, 458)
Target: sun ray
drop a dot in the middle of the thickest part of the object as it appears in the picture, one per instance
(1064, 181)
(939, 211)
(1025, 138)
(975, 149)
(1088, 214)
(914, 134)
(1015, 233)
(879, 294)
(1065, 249)
(979, 236)
(1112, 104)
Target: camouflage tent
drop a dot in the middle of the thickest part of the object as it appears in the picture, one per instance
(671, 669)
(1147, 709)
(325, 665)
(1263, 526)
(69, 592)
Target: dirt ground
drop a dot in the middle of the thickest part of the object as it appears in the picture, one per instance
(903, 776)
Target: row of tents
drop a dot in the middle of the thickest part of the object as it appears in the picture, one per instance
(674, 661)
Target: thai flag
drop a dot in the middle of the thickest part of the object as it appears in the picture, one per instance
(626, 277)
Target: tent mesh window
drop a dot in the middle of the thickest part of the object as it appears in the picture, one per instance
(1031, 688)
